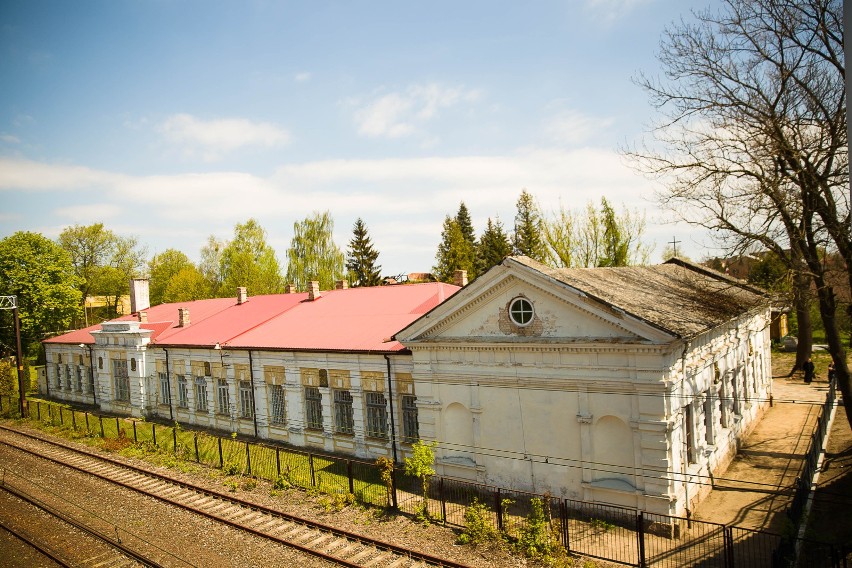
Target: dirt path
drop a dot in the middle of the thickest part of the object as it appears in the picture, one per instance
(756, 488)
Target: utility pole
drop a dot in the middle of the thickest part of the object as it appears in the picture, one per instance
(11, 303)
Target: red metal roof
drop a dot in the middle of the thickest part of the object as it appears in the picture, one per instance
(356, 319)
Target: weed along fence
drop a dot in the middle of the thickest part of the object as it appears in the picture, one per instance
(615, 534)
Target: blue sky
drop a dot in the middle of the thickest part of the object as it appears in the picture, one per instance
(173, 120)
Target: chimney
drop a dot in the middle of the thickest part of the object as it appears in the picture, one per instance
(139, 299)
(290, 289)
(143, 317)
(460, 278)
(313, 290)
(242, 295)
(341, 285)
(183, 317)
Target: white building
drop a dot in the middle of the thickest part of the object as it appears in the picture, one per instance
(616, 385)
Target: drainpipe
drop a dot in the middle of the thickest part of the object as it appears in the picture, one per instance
(253, 401)
(169, 385)
(92, 374)
(390, 400)
(686, 440)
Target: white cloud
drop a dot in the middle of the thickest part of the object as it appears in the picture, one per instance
(574, 128)
(89, 213)
(608, 11)
(399, 114)
(17, 174)
(213, 138)
(9, 139)
(302, 77)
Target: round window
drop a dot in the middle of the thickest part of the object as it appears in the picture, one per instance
(521, 311)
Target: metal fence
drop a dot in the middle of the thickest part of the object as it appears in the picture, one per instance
(615, 534)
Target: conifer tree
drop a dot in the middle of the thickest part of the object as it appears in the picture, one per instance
(528, 238)
(453, 253)
(466, 227)
(361, 262)
(493, 247)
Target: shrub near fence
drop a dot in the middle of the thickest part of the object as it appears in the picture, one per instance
(616, 534)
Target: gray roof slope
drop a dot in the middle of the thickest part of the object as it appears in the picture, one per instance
(676, 297)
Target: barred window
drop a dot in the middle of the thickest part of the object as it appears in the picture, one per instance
(344, 422)
(200, 394)
(80, 378)
(222, 397)
(246, 400)
(313, 407)
(182, 392)
(410, 428)
(59, 376)
(68, 376)
(278, 409)
(165, 394)
(91, 374)
(377, 415)
(121, 380)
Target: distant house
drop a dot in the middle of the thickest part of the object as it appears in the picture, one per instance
(616, 385)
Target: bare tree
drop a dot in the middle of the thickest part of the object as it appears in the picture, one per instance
(753, 143)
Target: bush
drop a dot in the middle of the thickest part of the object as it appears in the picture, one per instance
(477, 524)
(535, 540)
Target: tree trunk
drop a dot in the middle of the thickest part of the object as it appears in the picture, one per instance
(827, 309)
(801, 297)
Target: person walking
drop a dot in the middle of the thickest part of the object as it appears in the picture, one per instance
(809, 371)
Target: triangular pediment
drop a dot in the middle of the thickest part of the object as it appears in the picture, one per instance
(483, 312)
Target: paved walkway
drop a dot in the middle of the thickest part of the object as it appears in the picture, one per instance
(757, 487)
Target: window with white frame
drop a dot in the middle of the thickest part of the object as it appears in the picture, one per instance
(121, 380)
(410, 428)
(165, 394)
(278, 409)
(222, 397)
(201, 394)
(377, 415)
(246, 400)
(183, 401)
(313, 408)
(344, 422)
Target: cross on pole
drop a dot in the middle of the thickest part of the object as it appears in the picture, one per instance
(674, 243)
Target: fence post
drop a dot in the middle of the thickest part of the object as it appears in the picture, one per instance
(221, 461)
(278, 462)
(443, 500)
(498, 506)
(640, 535)
(248, 458)
(154, 433)
(395, 503)
(87, 418)
(73, 420)
(729, 547)
(563, 514)
(61, 419)
(117, 428)
(50, 413)
(195, 441)
(174, 438)
(101, 420)
(135, 437)
(351, 477)
(38, 411)
(313, 474)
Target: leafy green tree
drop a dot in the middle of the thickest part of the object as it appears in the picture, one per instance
(528, 238)
(187, 285)
(211, 263)
(161, 269)
(616, 236)
(363, 270)
(421, 465)
(313, 255)
(493, 247)
(249, 261)
(453, 252)
(40, 273)
(561, 240)
(104, 261)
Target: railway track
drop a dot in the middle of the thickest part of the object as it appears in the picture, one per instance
(106, 550)
(329, 543)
